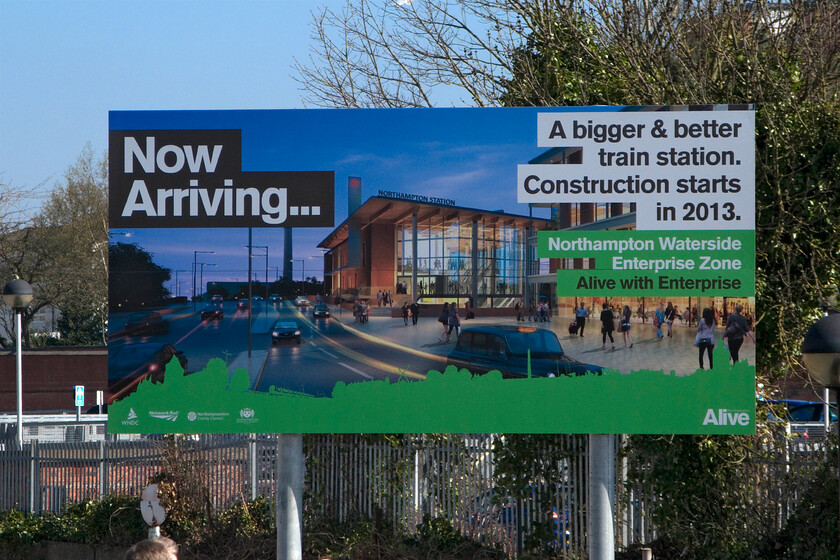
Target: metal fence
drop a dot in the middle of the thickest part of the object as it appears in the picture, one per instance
(400, 478)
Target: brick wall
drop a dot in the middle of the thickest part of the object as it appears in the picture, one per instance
(49, 376)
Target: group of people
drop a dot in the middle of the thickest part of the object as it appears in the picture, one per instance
(540, 313)
(361, 312)
(412, 311)
(608, 322)
(450, 320)
(384, 298)
(737, 327)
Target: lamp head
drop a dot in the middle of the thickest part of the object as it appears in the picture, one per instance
(821, 350)
(17, 293)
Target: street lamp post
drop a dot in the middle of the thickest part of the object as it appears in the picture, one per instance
(17, 294)
(201, 278)
(266, 265)
(821, 354)
(303, 273)
(195, 265)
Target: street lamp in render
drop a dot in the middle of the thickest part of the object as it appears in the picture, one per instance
(201, 278)
(17, 294)
(266, 264)
(195, 265)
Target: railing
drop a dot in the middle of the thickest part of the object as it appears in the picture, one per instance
(401, 478)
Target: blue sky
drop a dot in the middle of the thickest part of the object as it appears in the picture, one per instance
(65, 64)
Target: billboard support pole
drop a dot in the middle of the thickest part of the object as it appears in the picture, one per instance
(289, 496)
(601, 496)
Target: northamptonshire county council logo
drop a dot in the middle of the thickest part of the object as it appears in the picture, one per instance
(171, 415)
(246, 416)
(724, 417)
(191, 416)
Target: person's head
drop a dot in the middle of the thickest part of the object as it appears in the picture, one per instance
(626, 308)
(739, 308)
(446, 305)
(659, 306)
(670, 306)
(161, 548)
(709, 316)
(581, 305)
(606, 305)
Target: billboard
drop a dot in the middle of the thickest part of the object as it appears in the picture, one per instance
(250, 252)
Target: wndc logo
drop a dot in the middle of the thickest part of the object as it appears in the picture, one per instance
(723, 417)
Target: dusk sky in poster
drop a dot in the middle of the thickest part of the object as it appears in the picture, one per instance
(466, 155)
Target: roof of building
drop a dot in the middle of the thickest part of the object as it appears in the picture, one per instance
(399, 211)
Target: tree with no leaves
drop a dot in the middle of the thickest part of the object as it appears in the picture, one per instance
(783, 58)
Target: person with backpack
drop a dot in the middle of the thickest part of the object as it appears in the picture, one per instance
(443, 319)
(736, 328)
(454, 321)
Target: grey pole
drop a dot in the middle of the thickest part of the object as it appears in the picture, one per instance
(414, 256)
(289, 498)
(19, 374)
(601, 496)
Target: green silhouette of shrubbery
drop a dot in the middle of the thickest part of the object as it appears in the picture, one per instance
(644, 401)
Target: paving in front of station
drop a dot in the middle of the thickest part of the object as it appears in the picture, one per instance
(677, 353)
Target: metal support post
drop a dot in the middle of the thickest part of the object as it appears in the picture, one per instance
(601, 496)
(289, 499)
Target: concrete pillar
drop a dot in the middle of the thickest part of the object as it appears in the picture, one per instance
(601, 496)
(289, 498)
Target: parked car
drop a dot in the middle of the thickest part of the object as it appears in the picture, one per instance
(130, 363)
(284, 330)
(146, 324)
(302, 301)
(212, 312)
(505, 348)
(320, 311)
(243, 304)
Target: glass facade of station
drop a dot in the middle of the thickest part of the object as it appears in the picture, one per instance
(446, 260)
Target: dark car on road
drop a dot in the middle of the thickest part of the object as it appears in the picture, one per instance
(146, 324)
(283, 330)
(130, 363)
(505, 348)
(320, 311)
(212, 312)
(274, 298)
(243, 304)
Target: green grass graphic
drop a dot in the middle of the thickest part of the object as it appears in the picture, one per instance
(215, 400)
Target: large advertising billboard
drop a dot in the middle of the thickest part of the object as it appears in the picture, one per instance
(534, 270)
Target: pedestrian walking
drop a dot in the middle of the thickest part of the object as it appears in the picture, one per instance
(607, 326)
(736, 328)
(581, 313)
(454, 321)
(405, 313)
(625, 325)
(532, 312)
(705, 338)
(658, 319)
(670, 315)
(415, 312)
(443, 319)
